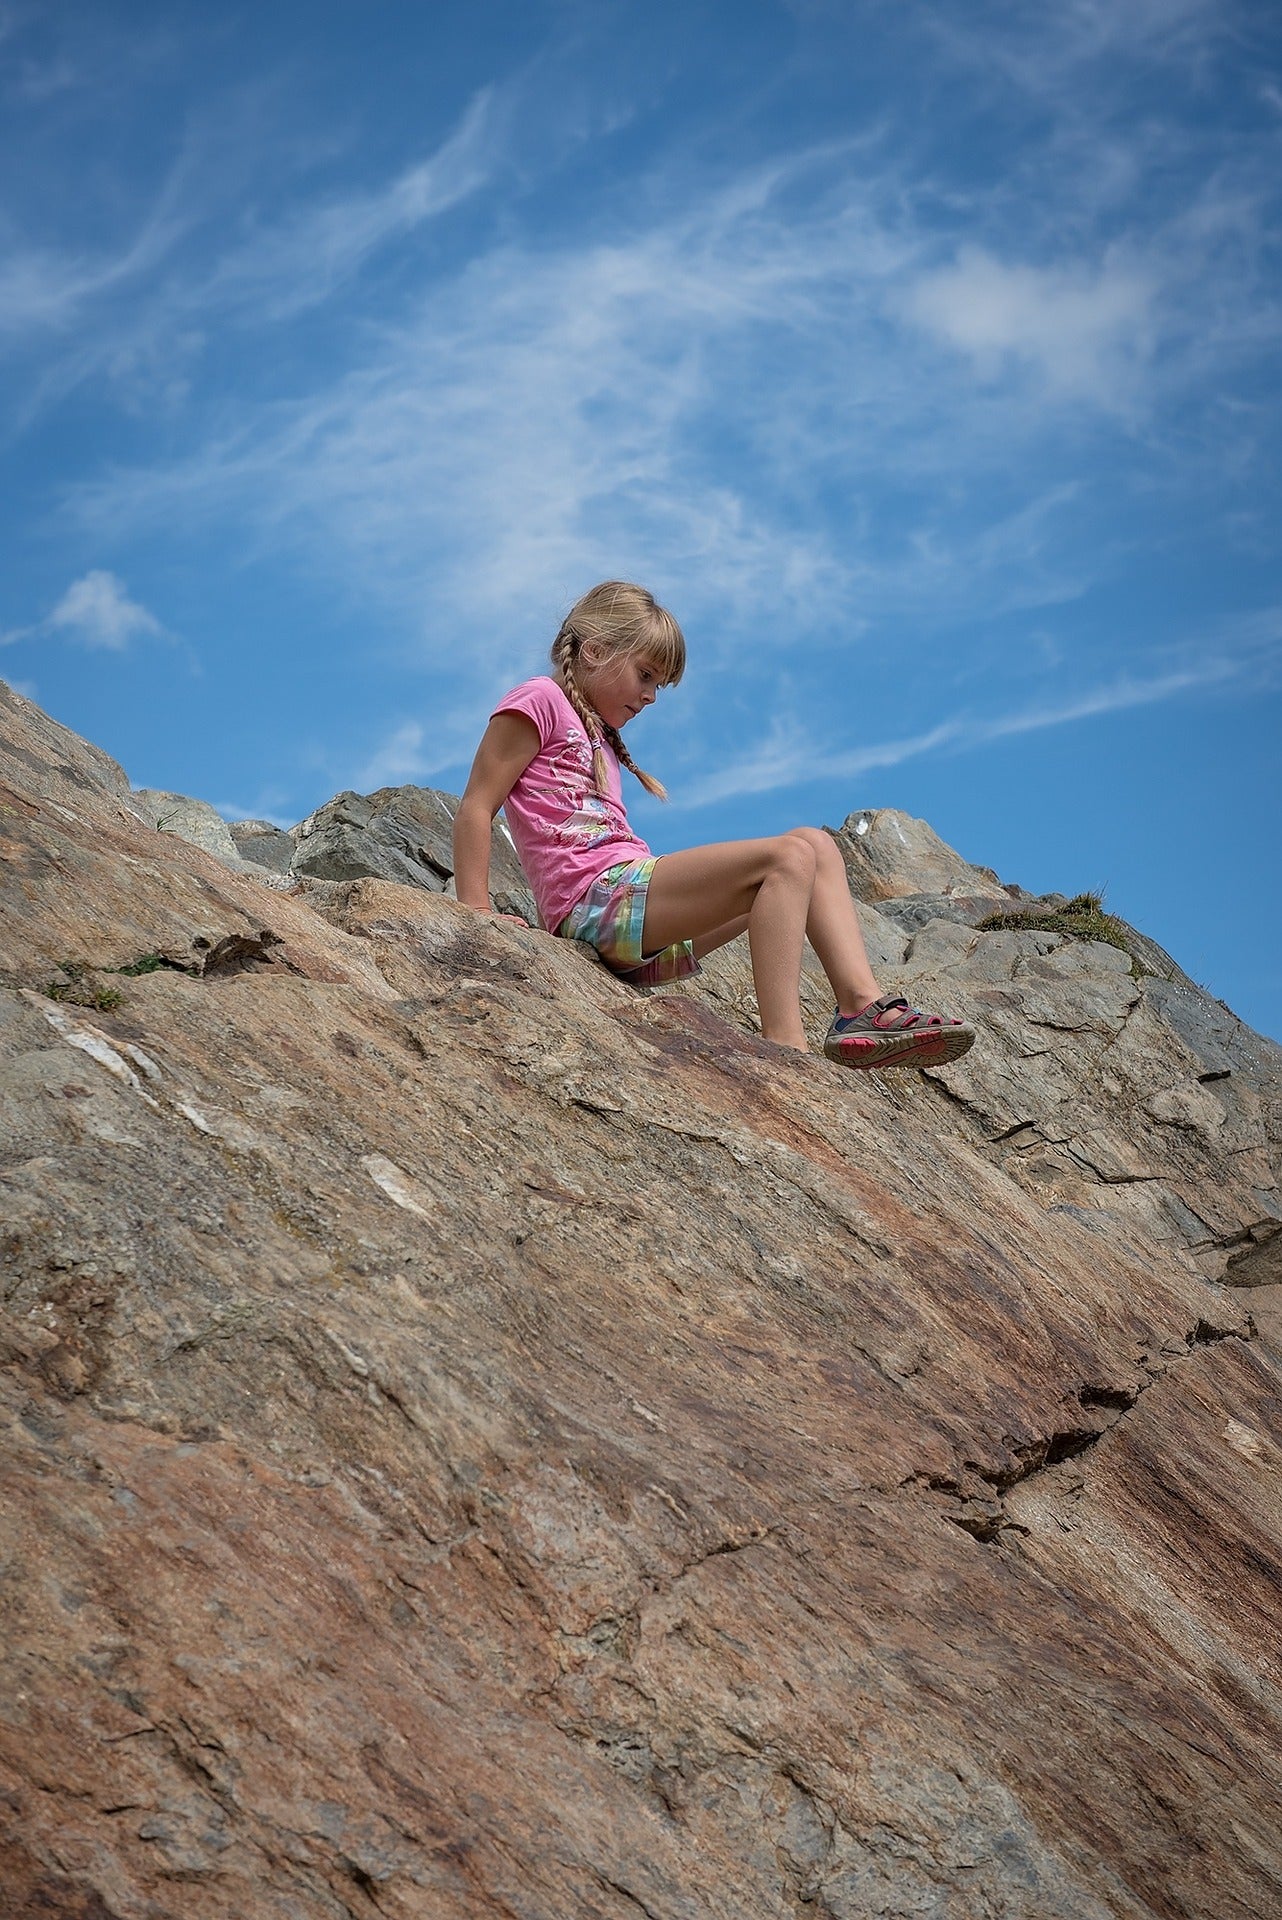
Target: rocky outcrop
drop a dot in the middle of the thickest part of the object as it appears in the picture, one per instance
(192, 820)
(484, 1441)
(889, 854)
(398, 833)
(404, 834)
(263, 844)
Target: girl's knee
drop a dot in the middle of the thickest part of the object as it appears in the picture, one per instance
(794, 854)
(823, 846)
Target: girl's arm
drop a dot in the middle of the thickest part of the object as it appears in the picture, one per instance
(510, 743)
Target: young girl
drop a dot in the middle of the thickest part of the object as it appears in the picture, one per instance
(551, 756)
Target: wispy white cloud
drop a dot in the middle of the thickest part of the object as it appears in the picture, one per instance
(286, 267)
(398, 760)
(1087, 330)
(415, 752)
(791, 756)
(543, 419)
(718, 391)
(97, 611)
(140, 318)
(266, 807)
(1042, 49)
(41, 288)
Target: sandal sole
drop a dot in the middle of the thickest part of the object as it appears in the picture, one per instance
(908, 1050)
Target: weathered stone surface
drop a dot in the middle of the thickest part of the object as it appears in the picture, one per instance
(192, 820)
(482, 1441)
(912, 911)
(403, 834)
(264, 844)
(889, 854)
(1143, 1100)
(53, 762)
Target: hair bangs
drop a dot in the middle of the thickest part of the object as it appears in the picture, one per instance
(663, 646)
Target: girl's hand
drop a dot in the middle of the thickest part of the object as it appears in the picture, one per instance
(492, 913)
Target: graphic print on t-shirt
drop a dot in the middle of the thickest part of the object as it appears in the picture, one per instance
(571, 782)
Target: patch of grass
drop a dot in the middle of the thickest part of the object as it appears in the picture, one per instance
(81, 988)
(145, 963)
(1081, 918)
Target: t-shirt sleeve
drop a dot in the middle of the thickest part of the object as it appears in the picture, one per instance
(537, 700)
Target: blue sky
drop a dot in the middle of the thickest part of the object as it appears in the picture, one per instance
(923, 358)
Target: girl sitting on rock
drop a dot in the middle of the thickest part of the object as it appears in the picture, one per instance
(551, 757)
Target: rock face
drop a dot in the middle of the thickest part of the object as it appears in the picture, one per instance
(889, 854)
(481, 1441)
(264, 844)
(192, 820)
(403, 834)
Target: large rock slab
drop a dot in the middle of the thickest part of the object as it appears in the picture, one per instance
(889, 854)
(192, 820)
(263, 844)
(1140, 1099)
(482, 1441)
(51, 761)
(403, 834)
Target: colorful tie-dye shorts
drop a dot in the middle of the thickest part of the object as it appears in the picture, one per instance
(611, 917)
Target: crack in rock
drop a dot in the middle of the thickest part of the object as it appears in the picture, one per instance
(985, 1518)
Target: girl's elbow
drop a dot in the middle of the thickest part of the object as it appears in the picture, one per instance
(473, 809)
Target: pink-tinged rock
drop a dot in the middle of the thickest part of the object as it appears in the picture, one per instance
(483, 1442)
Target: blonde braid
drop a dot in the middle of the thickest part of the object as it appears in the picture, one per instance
(648, 781)
(565, 648)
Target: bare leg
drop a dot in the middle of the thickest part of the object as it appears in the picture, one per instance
(719, 936)
(833, 927)
(766, 883)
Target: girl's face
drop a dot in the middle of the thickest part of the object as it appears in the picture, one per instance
(619, 688)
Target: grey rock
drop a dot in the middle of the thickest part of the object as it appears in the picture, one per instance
(51, 758)
(1142, 1096)
(885, 938)
(263, 844)
(913, 910)
(1148, 955)
(1220, 1042)
(888, 855)
(192, 820)
(1258, 1261)
(398, 833)
(403, 834)
(1152, 958)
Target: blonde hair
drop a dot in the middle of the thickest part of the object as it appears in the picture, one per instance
(622, 621)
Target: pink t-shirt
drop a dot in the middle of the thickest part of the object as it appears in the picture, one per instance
(566, 833)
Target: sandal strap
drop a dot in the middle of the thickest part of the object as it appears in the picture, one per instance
(906, 1016)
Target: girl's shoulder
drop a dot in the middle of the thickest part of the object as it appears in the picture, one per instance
(543, 701)
(538, 683)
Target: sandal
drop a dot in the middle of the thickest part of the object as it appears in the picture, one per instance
(890, 1033)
